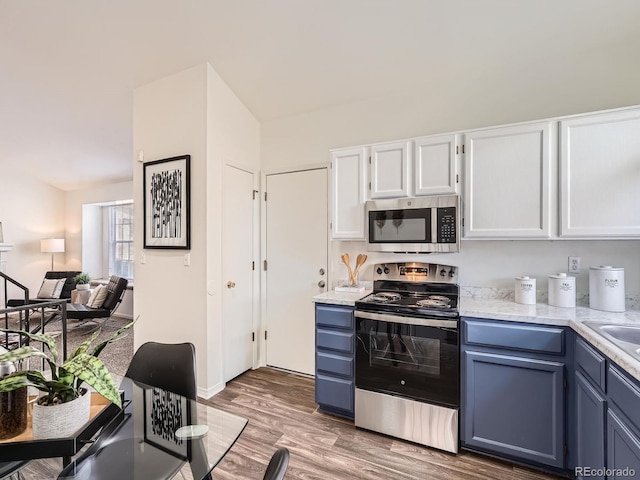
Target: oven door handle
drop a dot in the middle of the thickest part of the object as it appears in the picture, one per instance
(425, 322)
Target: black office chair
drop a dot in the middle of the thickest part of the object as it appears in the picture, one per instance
(11, 470)
(167, 366)
(277, 465)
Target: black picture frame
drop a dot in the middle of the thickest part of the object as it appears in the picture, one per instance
(164, 413)
(167, 203)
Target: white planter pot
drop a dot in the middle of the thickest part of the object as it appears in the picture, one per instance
(82, 286)
(59, 421)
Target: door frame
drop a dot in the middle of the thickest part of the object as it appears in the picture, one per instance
(262, 345)
(255, 277)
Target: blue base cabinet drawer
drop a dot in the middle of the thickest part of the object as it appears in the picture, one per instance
(334, 316)
(335, 364)
(335, 393)
(592, 363)
(514, 336)
(334, 340)
(335, 359)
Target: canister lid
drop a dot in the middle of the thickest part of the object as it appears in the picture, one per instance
(559, 275)
(607, 268)
(524, 278)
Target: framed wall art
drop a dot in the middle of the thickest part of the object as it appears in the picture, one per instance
(167, 203)
(164, 414)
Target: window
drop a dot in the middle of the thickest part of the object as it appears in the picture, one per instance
(120, 235)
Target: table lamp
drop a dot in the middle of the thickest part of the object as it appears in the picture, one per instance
(52, 245)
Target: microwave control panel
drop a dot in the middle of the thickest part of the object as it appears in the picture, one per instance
(446, 221)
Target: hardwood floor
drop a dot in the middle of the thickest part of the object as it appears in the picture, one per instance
(281, 410)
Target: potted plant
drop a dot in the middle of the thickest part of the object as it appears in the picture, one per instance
(82, 281)
(65, 405)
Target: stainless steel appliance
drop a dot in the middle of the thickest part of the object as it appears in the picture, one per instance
(414, 225)
(407, 354)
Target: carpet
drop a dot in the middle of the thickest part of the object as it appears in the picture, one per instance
(116, 356)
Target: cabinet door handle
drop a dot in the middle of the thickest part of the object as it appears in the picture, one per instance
(321, 284)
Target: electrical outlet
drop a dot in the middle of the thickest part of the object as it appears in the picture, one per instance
(574, 264)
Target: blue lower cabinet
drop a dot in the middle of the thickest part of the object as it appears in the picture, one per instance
(623, 449)
(591, 414)
(514, 407)
(335, 359)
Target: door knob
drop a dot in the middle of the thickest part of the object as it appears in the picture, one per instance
(231, 284)
(321, 283)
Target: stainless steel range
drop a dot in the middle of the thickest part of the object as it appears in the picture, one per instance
(407, 355)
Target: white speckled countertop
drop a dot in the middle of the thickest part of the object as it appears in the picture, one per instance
(541, 313)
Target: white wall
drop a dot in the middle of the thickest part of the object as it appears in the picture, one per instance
(169, 119)
(486, 100)
(30, 210)
(192, 112)
(233, 138)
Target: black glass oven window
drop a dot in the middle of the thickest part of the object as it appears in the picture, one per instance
(416, 362)
(404, 226)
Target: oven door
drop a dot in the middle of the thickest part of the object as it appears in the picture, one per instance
(416, 358)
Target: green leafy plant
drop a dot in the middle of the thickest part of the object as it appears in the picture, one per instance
(67, 378)
(82, 278)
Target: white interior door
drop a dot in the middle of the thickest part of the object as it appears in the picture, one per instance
(237, 247)
(296, 252)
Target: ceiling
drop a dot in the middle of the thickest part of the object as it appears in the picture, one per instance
(68, 68)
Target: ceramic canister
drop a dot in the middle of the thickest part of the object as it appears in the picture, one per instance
(562, 290)
(525, 290)
(606, 288)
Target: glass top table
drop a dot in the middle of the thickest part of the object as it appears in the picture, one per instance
(158, 434)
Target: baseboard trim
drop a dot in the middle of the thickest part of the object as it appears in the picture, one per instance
(207, 393)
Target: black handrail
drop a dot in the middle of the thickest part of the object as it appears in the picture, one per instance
(7, 278)
(22, 311)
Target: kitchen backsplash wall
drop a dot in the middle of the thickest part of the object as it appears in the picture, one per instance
(488, 268)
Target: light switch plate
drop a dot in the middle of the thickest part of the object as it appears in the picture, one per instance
(187, 259)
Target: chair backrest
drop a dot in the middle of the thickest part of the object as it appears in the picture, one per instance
(278, 465)
(170, 366)
(115, 291)
(69, 284)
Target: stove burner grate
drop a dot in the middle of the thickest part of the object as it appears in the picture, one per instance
(385, 297)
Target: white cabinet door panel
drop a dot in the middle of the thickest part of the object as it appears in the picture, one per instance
(390, 170)
(600, 175)
(507, 182)
(348, 193)
(435, 166)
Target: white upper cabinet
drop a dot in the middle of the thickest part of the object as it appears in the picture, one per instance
(600, 175)
(507, 182)
(390, 170)
(348, 193)
(435, 169)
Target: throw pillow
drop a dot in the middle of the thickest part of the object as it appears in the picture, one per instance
(51, 288)
(97, 297)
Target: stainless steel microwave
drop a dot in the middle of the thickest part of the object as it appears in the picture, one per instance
(414, 225)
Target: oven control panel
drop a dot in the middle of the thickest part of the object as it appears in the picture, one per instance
(416, 272)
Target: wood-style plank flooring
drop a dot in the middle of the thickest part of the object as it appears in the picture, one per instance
(281, 410)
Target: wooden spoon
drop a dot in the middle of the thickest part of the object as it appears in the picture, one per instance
(360, 259)
(345, 260)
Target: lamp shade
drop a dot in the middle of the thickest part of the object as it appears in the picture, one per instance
(52, 245)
